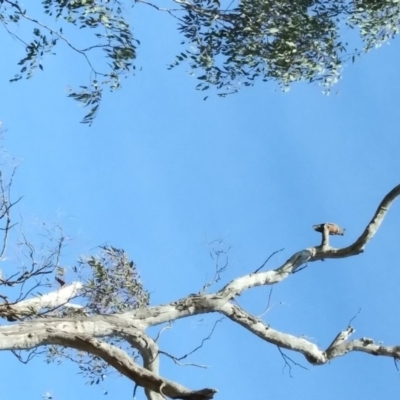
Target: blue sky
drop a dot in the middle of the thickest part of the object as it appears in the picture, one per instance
(161, 173)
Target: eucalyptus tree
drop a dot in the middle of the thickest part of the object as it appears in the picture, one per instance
(98, 314)
(226, 45)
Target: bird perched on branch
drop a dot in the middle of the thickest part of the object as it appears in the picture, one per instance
(333, 229)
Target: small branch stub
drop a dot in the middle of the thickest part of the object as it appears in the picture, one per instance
(342, 337)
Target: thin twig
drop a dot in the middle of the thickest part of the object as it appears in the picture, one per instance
(216, 255)
(289, 360)
(170, 11)
(266, 261)
(178, 359)
(354, 317)
(164, 328)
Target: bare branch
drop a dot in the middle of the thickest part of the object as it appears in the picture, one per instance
(396, 363)
(170, 11)
(239, 285)
(289, 361)
(310, 350)
(148, 349)
(177, 362)
(359, 245)
(33, 306)
(266, 261)
(117, 358)
(340, 338)
(124, 364)
(355, 316)
(365, 345)
(337, 348)
(164, 328)
(5, 207)
(216, 255)
(18, 355)
(268, 306)
(178, 359)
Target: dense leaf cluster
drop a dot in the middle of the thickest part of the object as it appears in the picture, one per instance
(114, 285)
(284, 41)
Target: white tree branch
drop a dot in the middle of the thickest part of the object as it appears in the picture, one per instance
(119, 359)
(311, 254)
(186, 307)
(123, 363)
(310, 350)
(148, 349)
(365, 345)
(340, 338)
(246, 282)
(33, 306)
(359, 245)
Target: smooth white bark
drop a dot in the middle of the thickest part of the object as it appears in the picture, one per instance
(34, 305)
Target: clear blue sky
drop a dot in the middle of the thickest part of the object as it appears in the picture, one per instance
(162, 172)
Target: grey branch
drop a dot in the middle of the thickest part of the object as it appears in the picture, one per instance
(114, 356)
(148, 349)
(123, 363)
(339, 339)
(365, 345)
(359, 245)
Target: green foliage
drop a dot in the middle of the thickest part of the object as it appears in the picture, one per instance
(378, 20)
(111, 35)
(114, 286)
(226, 47)
(34, 54)
(283, 41)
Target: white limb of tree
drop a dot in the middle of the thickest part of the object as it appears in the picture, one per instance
(106, 316)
